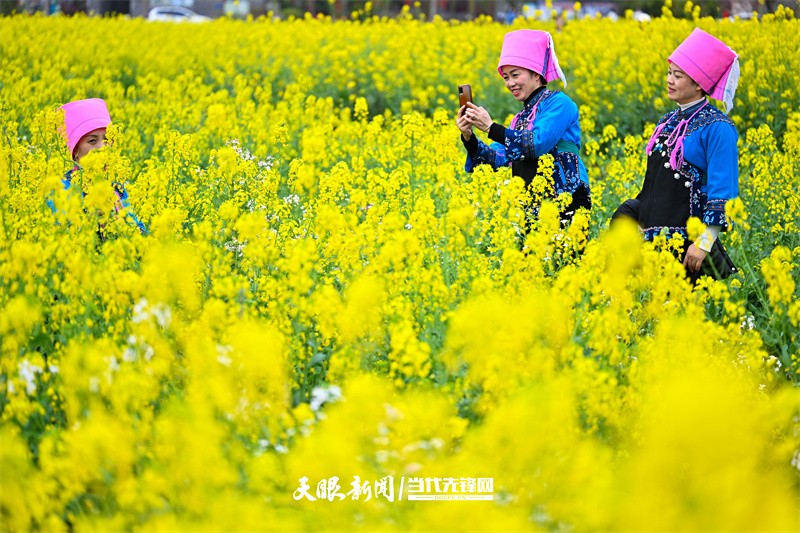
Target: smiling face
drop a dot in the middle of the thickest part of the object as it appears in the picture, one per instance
(681, 89)
(520, 81)
(91, 141)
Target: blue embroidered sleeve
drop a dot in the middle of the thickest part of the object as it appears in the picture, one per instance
(493, 155)
(555, 120)
(122, 194)
(129, 214)
(722, 174)
(67, 182)
(138, 223)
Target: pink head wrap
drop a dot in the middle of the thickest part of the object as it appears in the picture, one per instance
(710, 63)
(533, 50)
(82, 117)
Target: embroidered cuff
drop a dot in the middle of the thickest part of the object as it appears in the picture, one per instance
(714, 214)
(667, 231)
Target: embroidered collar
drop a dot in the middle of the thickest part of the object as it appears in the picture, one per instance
(692, 110)
(675, 138)
(537, 96)
(534, 94)
(524, 119)
(686, 107)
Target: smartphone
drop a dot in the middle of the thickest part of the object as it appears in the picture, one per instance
(464, 95)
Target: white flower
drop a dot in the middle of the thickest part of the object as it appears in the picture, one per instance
(320, 396)
(163, 314)
(796, 460)
(27, 372)
(280, 448)
(140, 313)
(234, 246)
(436, 444)
(392, 413)
(223, 356)
(129, 355)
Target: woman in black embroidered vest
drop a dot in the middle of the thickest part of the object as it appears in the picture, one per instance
(547, 124)
(692, 159)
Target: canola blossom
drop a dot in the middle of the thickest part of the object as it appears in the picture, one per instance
(327, 304)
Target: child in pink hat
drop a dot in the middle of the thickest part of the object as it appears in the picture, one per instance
(547, 124)
(85, 123)
(692, 158)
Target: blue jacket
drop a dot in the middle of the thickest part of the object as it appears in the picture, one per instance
(122, 197)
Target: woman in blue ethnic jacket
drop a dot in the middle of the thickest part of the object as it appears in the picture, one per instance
(692, 158)
(547, 124)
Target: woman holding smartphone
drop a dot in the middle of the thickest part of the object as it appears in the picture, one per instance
(547, 124)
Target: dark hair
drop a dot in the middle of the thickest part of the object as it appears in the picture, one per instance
(542, 79)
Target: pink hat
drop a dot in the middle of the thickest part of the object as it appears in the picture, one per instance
(710, 63)
(82, 117)
(533, 50)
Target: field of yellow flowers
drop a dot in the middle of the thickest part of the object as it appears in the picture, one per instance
(329, 316)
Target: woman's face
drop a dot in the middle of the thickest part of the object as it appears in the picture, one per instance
(681, 89)
(520, 81)
(91, 141)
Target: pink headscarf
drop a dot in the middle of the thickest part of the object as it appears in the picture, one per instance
(710, 63)
(533, 50)
(82, 117)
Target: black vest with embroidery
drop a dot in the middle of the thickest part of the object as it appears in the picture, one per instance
(526, 168)
(670, 196)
